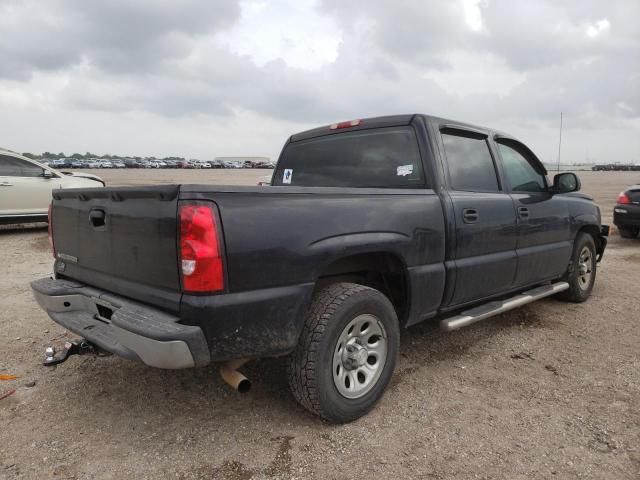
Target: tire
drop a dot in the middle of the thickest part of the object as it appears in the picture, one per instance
(629, 232)
(581, 275)
(346, 354)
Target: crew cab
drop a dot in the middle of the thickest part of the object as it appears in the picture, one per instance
(26, 186)
(368, 226)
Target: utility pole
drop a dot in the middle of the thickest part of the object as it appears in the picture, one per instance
(560, 141)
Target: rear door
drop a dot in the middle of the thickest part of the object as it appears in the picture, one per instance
(544, 239)
(485, 220)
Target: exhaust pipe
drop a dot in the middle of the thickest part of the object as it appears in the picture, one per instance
(231, 375)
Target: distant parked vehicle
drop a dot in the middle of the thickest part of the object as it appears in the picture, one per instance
(59, 163)
(156, 164)
(263, 165)
(26, 185)
(78, 164)
(626, 213)
(106, 164)
(118, 164)
(93, 163)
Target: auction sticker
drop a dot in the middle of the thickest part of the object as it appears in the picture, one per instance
(287, 175)
(404, 170)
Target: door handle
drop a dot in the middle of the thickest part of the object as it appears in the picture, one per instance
(470, 215)
(523, 212)
(6, 184)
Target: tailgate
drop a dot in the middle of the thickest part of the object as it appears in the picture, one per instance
(120, 239)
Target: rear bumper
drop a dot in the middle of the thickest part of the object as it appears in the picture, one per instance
(120, 326)
(626, 215)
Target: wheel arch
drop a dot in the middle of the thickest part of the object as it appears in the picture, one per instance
(383, 270)
(594, 231)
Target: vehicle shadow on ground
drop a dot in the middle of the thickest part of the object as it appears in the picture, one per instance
(104, 387)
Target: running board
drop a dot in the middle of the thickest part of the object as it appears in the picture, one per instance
(494, 308)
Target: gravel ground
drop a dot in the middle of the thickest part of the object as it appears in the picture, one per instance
(548, 391)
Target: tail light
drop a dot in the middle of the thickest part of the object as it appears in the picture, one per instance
(200, 252)
(623, 199)
(50, 228)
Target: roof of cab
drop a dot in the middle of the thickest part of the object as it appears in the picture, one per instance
(393, 121)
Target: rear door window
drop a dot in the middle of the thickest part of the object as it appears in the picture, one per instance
(470, 163)
(381, 157)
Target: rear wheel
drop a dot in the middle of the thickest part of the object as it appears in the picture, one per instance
(346, 354)
(629, 232)
(582, 274)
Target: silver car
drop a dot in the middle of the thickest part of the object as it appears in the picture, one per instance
(26, 185)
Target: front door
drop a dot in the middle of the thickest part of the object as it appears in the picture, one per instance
(544, 241)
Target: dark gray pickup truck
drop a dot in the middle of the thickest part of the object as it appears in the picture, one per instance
(369, 226)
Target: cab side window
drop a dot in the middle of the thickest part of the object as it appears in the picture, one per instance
(16, 167)
(471, 167)
(520, 172)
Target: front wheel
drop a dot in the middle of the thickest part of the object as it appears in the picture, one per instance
(346, 354)
(582, 274)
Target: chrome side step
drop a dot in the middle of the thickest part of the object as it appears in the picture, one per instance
(494, 308)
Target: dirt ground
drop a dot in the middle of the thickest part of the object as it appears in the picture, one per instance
(548, 391)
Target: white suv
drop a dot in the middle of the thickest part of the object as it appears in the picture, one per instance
(26, 185)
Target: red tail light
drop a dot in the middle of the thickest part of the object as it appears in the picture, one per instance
(50, 220)
(200, 253)
(623, 199)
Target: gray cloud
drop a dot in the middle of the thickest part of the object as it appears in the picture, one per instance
(161, 58)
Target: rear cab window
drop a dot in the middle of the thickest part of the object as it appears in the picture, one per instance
(385, 157)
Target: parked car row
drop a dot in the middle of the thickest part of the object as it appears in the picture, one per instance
(151, 163)
(617, 167)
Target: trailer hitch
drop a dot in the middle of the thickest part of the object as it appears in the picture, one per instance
(75, 347)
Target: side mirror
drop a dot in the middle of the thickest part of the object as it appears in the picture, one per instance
(566, 182)
(46, 174)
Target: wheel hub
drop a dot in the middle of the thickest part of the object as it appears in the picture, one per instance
(360, 355)
(585, 268)
(354, 355)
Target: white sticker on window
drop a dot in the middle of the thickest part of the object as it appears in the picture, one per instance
(286, 176)
(404, 170)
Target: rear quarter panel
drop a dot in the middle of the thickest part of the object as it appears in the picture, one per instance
(279, 240)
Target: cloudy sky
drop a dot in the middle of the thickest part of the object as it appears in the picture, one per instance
(206, 78)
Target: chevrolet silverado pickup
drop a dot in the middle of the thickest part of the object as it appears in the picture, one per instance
(368, 226)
